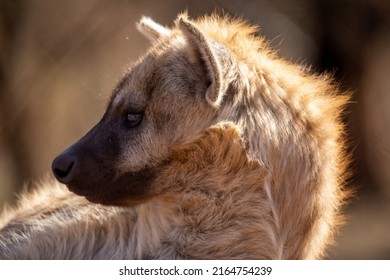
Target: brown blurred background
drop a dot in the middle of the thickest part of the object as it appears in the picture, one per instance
(61, 59)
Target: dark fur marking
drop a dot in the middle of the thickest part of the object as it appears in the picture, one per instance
(128, 190)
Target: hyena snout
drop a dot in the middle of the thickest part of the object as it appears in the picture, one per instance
(65, 167)
(90, 168)
(82, 171)
(87, 163)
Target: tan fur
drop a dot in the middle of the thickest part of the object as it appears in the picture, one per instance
(272, 193)
(176, 225)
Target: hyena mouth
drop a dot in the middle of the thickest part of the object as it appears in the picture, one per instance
(96, 180)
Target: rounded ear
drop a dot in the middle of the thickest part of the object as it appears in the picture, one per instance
(152, 30)
(216, 58)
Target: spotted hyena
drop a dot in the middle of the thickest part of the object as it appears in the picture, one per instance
(211, 147)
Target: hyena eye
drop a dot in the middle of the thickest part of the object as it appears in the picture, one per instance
(133, 119)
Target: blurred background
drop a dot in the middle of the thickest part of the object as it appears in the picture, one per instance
(59, 61)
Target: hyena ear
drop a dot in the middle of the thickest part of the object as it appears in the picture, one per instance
(152, 30)
(216, 58)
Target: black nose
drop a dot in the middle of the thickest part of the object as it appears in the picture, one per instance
(63, 167)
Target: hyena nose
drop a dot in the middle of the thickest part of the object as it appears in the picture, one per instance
(63, 167)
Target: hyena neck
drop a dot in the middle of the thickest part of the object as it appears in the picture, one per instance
(154, 222)
(300, 151)
(259, 109)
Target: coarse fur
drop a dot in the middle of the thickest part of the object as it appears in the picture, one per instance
(238, 155)
(224, 181)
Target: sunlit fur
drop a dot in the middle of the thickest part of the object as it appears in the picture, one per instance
(268, 185)
(291, 121)
(60, 225)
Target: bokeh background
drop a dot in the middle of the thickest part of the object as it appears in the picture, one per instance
(60, 60)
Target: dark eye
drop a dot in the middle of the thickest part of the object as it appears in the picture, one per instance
(133, 119)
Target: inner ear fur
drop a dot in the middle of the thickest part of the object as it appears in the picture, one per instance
(152, 30)
(212, 54)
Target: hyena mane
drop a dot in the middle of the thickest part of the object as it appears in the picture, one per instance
(211, 147)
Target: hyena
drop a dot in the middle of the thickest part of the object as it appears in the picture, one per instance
(211, 147)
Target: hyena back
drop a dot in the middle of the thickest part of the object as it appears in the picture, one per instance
(211, 146)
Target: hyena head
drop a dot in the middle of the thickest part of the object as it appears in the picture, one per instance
(178, 89)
